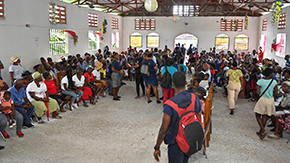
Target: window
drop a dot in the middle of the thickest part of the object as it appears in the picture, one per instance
(115, 23)
(94, 40)
(222, 42)
(1, 8)
(57, 14)
(153, 40)
(282, 21)
(264, 27)
(231, 25)
(241, 42)
(136, 40)
(93, 20)
(186, 10)
(280, 45)
(115, 39)
(58, 42)
(145, 24)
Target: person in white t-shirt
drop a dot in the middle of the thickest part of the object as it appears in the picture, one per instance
(68, 88)
(15, 69)
(38, 96)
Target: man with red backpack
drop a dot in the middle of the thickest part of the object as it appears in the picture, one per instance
(181, 128)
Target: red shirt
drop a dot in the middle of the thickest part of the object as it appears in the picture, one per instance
(89, 77)
(51, 87)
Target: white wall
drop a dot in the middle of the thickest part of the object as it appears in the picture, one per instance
(204, 28)
(16, 39)
(271, 33)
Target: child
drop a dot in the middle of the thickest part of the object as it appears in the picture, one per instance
(6, 105)
(200, 93)
(265, 106)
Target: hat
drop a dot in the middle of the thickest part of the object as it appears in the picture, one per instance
(89, 66)
(79, 70)
(36, 75)
(200, 90)
(62, 57)
(14, 59)
(98, 65)
(25, 74)
(287, 83)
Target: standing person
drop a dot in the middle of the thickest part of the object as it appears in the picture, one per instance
(116, 78)
(1, 67)
(261, 54)
(21, 103)
(169, 92)
(265, 106)
(151, 81)
(138, 76)
(235, 82)
(15, 69)
(170, 122)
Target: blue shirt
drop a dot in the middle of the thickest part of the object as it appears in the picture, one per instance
(152, 75)
(263, 83)
(16, 96)
(82, 65)
(171, 71)
(137, 60)
(116, 65)
(209, 75)
(180, 98)
(287, 64)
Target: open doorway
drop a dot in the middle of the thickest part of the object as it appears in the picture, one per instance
(186, 39)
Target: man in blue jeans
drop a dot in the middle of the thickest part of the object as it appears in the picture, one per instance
(21, 103)
(169, 127)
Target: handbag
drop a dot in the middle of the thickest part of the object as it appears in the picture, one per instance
(257, 99)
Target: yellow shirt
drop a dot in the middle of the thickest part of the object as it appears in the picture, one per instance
(234, 75)
(103, 71)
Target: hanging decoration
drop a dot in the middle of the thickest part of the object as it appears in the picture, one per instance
(276, 46)
(100, 35)
(235, 25)
(246, 22)
(176, 18)
(74, 36)
(151, 5)
(104, 26)
(276, 10)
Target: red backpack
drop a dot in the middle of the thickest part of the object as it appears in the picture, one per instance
(190, 131)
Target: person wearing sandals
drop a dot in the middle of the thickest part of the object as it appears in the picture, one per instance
(79, 82)
(90, 82)
(97, 76)
(283, 117)
(38, 96)
(235, 82)
(116, 78)
(54, 93)
(265, 106)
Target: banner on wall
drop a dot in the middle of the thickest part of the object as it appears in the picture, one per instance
(115, 39)
(136, 41)
(152, 41)
(280, 46)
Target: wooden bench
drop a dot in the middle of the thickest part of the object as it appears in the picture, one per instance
(207, 122)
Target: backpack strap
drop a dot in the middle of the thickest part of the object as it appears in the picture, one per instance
(180, 111)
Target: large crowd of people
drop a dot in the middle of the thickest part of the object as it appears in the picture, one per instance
(58, 86)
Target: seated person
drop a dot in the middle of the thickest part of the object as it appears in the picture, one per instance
(200, 92)
(68, 88)
(38, 96)
(7, 108)
(282, 121)
(90, 82)
(97, 74)
(54, 93)
(21, 103)
(79, 82)
(26, 78)
(3, 119)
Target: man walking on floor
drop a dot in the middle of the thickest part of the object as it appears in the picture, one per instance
(187, 105)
